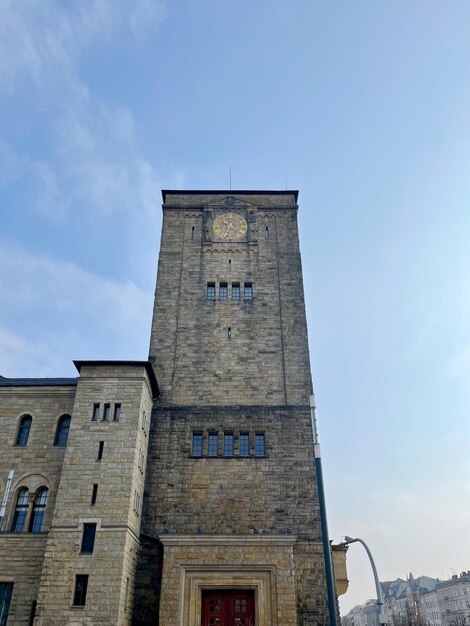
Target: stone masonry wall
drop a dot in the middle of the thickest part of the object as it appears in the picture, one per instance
(231, 495)
(38, 464)
(266, 360)
(117, 512)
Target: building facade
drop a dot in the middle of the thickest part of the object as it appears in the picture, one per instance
(178, 491)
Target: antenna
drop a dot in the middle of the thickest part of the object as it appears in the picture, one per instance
(230, 176)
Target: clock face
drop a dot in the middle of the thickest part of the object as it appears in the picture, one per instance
(230, 226)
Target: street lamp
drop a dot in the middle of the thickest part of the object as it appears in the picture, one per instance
(380, 602)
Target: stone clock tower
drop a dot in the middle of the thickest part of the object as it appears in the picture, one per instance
(231, 527)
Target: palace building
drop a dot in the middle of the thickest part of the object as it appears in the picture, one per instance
(178, 491)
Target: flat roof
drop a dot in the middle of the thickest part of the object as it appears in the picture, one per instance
(36, 382)
(231, 192)
(147, 364)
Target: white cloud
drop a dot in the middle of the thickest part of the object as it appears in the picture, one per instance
(91, 160)
(55, 310)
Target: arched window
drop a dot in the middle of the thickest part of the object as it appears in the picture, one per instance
(23, 430)
(21, 511)
(62, 432)
(39, 508)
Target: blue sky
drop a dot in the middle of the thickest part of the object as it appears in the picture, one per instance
(364, 107)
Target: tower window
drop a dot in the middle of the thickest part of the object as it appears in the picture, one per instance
(197, 444)
(96, 412)
(266, 233)
(94, 494)
(212, 446)
(107, 408)
(117, 413)
(81, 586)
(192, 233)
(244, 444)
(88, 538)
(229, 332)
(235, 291)
(228, 444)
(6, 591)
(223, 291)
(23, 431)
(100, 450)
(248, 291)
(260, 447)
(211, 291)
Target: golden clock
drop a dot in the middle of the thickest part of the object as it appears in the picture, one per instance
(230, 226)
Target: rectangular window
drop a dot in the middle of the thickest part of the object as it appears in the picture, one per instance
(223, 291)
(94, 494)
(235, 291)
(228, 444)
(260, 448)
(248, 291)
(211, 291)
(100, 450)
(212, 446)
(244, 444)
(6, 590)
(117, 413)
(107, 408)
(197, 444)
(96, 412)
(81, 585)
(88, 538)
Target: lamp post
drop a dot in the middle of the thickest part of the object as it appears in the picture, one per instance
(330, 583)
(378, 588)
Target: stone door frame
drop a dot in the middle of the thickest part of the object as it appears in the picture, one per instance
(201, 578)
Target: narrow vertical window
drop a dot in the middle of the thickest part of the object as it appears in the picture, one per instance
(212, 444)
(62, 432)
(192, 233)
(266, 233)
(244, 444)
(81, 586)
(88, 538)
(6, 591)
(126, 596)
(23, 431)
(228, 444)
(96, 412)
(21, 511)
(229, 332)
(197, 444)
(260, 448)
(248, 291)
(39, 508)
(117, 413)
(211, 291)
(94, 494)
(100, 450)
(223, 291)
(107, 408)
(235, 291)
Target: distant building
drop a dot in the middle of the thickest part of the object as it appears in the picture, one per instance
(422, 601)
(454, 600)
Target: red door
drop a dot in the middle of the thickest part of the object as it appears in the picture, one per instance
(228, 608)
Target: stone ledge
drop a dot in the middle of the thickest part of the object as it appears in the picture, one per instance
(223, 540)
